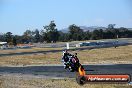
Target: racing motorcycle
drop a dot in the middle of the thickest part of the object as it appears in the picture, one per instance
(73, 63)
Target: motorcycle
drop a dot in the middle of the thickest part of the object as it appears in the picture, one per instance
(73, 63)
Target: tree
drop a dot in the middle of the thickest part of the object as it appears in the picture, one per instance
(123, 32)
(108, 34)
(116, 33)
(51, 34)
(96, 35)
(75, 33)
(111, 31)
(43, 36)
(101, 34)
(111, 26)
(2, 37)
(27, 36)
(14, 41)
(8, 37)
(17, 39)
(87, 35)
(37, 36)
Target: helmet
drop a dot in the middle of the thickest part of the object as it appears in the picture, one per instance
(65, 51)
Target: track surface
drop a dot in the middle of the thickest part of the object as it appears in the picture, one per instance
(59, 71)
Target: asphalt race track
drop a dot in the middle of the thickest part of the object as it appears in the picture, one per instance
(59, 71)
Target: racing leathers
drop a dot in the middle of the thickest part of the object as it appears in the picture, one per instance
(66, 58)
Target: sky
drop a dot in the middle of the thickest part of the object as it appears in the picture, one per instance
(17, 16)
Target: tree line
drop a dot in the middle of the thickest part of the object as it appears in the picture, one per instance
(50, 33)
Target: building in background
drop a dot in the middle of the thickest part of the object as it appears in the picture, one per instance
(3, 45)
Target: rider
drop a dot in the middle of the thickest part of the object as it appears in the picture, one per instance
(66, 58)
(77, 60)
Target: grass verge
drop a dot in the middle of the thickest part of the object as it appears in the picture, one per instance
(23, 81)
(119, 55)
